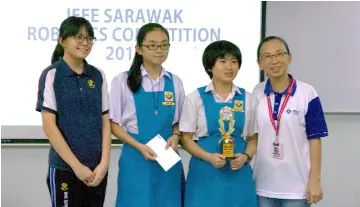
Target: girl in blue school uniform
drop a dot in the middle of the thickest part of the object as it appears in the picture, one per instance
(73, 101)
(290, 124)
(144, 102)
(212, 179)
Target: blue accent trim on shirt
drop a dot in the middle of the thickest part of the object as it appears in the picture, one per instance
(43, 108)
(88, 69)
(41, 88)
(277, 102)
(105, 112)
(277, 96)
(315, 120)
(268, 89)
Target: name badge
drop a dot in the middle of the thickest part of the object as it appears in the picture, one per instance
(277, 150)
(168, 103)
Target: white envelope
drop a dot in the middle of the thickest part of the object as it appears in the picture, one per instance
(166, 158)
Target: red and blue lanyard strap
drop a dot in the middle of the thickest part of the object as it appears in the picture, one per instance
(287, 96)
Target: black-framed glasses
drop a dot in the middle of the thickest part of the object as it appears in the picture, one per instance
(80, 39)
(155, 46)
(269, 57)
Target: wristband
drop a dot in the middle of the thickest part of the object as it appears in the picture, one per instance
(248, 158)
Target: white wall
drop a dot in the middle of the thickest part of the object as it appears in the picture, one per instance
(24, 169)
(324, 41)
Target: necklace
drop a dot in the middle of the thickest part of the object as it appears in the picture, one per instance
(155, 100)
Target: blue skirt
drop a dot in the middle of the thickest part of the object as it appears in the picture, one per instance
(223, 187)
(143, 183)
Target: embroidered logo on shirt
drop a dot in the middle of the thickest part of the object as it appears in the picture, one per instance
(238, 106)
(64, 186)
(91, 84)
(293, 112)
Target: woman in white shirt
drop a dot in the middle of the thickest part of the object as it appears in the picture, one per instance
(290, 123)
(213, 179)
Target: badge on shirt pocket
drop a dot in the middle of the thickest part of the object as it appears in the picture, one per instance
(91, 83)
(168, 98)
(238, 106)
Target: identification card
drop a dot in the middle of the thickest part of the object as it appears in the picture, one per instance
(277, 151)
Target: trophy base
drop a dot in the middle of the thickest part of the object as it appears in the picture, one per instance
(228, 150)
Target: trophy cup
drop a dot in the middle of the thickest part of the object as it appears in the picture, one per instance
(227, 142)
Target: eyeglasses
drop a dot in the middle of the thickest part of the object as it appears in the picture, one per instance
(155, 47)
(269, 57)
(80, 39)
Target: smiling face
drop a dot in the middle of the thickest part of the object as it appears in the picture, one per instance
(274, 58)
(79, 46)
(222, 60)
(154, 48)
(225, 69)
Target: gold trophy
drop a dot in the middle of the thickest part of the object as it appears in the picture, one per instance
(227, 142)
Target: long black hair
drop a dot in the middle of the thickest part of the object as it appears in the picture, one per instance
(68, 28)
(135, 77)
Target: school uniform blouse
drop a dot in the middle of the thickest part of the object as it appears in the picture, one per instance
(121, 100)
(193, 117)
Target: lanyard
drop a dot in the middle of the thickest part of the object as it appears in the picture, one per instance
(287, 96)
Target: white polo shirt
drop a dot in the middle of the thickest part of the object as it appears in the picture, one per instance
(303, 119)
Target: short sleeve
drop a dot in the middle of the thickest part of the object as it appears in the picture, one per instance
(314, 118)
(250, 115)
(180, 97)
(254, 96)
(115, 99)
(104, 94)
(46, 95)
(189, 114)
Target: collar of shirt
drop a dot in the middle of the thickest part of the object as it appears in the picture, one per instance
(162, 73)
(269, 90)
(68, 72)
(234, 90)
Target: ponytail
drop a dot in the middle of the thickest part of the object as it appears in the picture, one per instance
(135, 77)
(58, 52)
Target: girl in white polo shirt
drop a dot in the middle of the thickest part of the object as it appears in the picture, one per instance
(290, 122)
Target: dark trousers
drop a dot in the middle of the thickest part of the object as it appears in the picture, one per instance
(66, 190)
